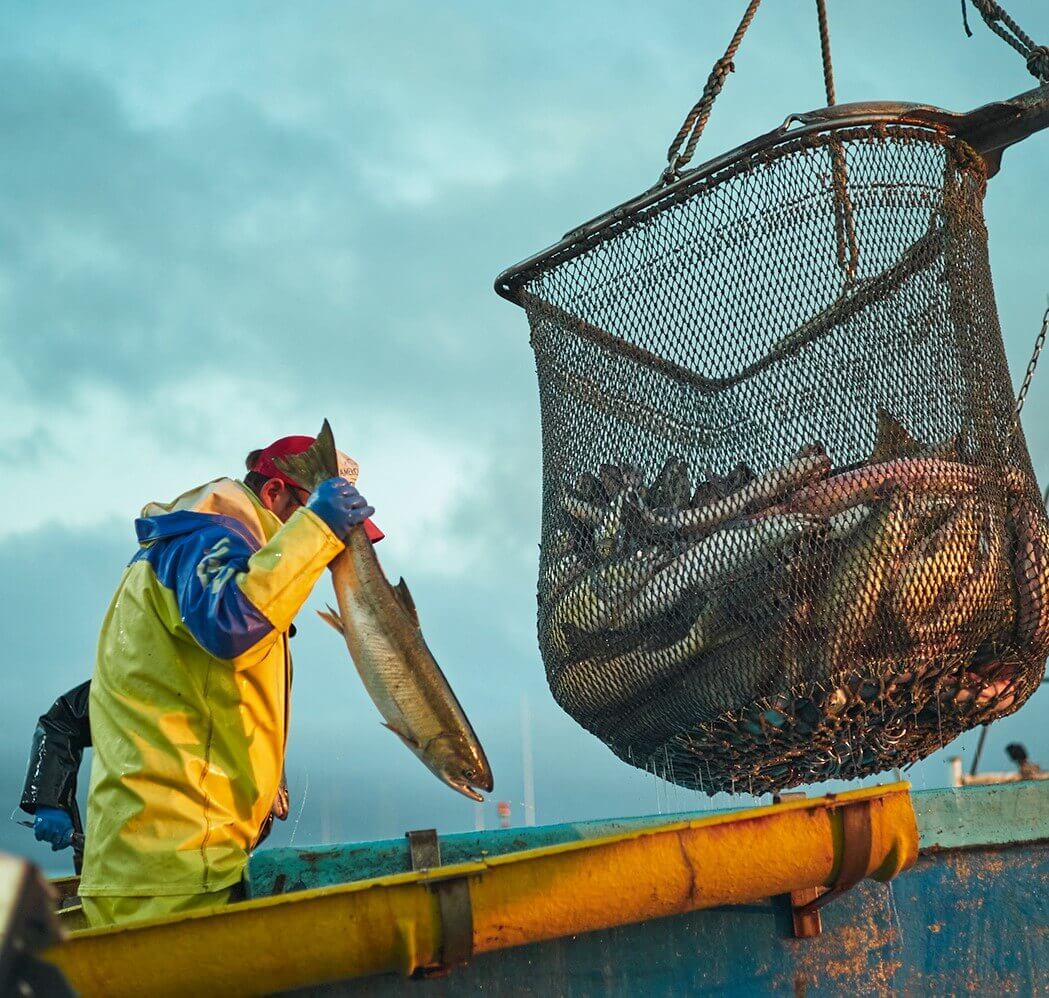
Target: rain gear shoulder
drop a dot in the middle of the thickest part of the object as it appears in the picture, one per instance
(189, 699)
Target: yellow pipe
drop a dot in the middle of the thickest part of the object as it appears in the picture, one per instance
(393, 923)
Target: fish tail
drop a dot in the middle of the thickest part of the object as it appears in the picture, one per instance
(314, 465)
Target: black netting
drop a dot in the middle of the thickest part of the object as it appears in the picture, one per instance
(790, 529)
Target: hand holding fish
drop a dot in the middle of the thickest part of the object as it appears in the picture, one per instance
(339, 505)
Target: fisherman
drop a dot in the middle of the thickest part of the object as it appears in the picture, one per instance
(189, 699)
(1028, 770)
(49, 795)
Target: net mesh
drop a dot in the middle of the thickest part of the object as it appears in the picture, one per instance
(790, 527)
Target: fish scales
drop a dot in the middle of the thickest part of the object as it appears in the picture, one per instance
(937, 563)
(840, 492)
(727, 678)
(729, 655)
(727, 552)
(633, 590)
(848, 605)
(605, 683)
(1031, 574)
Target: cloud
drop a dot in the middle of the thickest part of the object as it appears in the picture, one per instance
(98, 459)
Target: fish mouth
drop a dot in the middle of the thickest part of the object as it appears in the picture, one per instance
(470, 786)
(466, 790)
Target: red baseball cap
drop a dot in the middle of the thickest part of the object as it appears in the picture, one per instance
(263, 464)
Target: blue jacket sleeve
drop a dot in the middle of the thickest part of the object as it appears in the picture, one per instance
(201, 568)
(231, 593)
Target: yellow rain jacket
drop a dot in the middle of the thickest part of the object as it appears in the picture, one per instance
(189, 699)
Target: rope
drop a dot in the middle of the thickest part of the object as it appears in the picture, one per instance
(680, 151)
(998, 20)
(828, 68)
(844, 223)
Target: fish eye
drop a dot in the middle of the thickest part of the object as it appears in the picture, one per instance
(469, 774)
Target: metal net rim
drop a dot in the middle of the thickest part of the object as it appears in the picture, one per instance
(708, 176)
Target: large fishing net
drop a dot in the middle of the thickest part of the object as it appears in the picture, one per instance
(790, 528)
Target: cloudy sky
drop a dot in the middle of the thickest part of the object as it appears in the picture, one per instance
(221, 223)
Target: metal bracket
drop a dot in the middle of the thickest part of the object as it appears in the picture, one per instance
(857, 839)
(805, 924)
(424, 848)
(453, 904)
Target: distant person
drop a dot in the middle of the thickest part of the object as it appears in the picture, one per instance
(1028, 770)
(49, 794)
(189, 699)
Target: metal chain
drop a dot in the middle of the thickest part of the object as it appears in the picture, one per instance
(1039, 342)
(995, 16)
(1037, 59)
(696, 119)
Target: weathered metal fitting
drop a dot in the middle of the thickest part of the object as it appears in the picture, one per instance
(453, 905)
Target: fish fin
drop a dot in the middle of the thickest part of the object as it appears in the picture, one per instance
(332, 617)
(314, 465)
(893, 440)
(589, 488)
(407, 739)
(404, 597)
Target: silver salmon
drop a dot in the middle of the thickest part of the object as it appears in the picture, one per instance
(381, 628)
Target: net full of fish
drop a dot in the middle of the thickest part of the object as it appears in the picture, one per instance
(808, 622)
(790, 529)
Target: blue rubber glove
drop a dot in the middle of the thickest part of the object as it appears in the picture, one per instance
(53, 825)
(340, 506)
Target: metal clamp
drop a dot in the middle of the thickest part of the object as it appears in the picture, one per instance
(424, 848)
(857, 840)
(856, 854)
(807, 924)
(453, 905)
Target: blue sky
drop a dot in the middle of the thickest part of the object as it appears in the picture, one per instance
(221, 223)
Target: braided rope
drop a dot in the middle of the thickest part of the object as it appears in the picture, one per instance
(998, 20)
(844, 222)
(696, 119)
(828, 67)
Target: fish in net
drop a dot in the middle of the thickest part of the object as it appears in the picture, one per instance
(790, 527)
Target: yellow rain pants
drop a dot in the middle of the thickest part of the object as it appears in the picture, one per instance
(101, 911)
